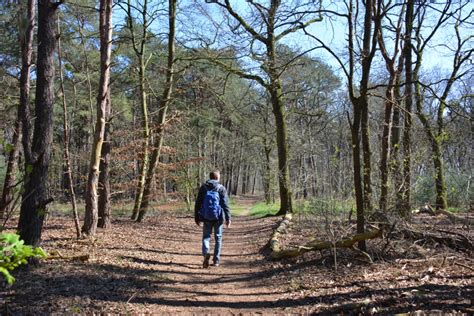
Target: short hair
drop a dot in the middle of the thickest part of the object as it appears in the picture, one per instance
(214, 174)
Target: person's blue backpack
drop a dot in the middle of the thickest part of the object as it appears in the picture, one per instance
(211, 208)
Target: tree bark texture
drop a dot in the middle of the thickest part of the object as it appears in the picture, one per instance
(91, 212)
(35, 195)
(356, 162)
(404, 207)
(104, 178)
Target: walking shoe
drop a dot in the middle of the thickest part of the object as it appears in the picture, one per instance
(215, 263)
(205, 263)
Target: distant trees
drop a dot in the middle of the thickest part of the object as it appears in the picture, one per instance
(251, 93)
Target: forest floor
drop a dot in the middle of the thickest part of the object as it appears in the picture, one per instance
(156, 267)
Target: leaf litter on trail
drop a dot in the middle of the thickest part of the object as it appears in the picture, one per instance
(156, 266)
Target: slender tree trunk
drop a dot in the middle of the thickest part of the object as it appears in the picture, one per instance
(165, 100)
(146, 140)
(267, 174)
(244, 179)
(363, 189)
(385, 146)
(254, 181)
(139, 49)
(440, 184)
(395, 144)
(12, 168)
(391, 103)
(405, 203)
(91, 213)
(359, 193)
(89, 84)
(35, 196)
(66, 154)
(104, 178)
(239, 170)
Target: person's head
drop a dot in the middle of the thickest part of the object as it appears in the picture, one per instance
(215, 175)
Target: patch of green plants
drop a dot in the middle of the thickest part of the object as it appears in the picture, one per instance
(262, 209)
(14, 252)
(459, 192)
(456, 209)
(325, 205)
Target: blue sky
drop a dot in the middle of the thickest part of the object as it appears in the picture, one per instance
(331, 31)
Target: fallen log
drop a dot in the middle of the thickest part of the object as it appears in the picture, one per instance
(320, 245)
(281, 229)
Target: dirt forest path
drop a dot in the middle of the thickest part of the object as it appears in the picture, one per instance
(241, 284)
(155, 267)
(238, 284)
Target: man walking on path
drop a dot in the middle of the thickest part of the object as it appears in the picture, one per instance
(212, 209)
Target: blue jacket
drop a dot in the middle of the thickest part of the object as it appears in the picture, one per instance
(223, 199)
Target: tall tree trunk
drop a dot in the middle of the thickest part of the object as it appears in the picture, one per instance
(286, 200)
(363, 189)
(88, 77)
(91, 213)
(359, 193)
(395, 143)
(104, 179)
(440, 183)
(244, 179)
(267, 174)
(66, 154)
(385, 149)
(366, 154)
(254, 181)
(405, 203)
(35, 196)
(239, 170)
(146, 140)
(275, 90)
(165, 100)
(139, 49)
